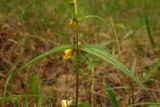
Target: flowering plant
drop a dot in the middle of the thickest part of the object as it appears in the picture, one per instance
(68, 52)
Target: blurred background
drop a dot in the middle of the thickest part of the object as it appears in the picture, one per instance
(30, 27)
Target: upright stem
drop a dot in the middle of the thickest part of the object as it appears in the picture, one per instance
(77, 66)
(92, 88)
(77, 53)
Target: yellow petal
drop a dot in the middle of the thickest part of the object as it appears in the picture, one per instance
(67, 57)
(68, 51)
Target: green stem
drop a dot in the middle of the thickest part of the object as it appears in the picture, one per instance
(77, 54)
(77, 66)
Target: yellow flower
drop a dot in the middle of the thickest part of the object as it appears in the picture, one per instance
(66, 103)
(68, 51)
(67, 54)
(72, 21)
(67, 57)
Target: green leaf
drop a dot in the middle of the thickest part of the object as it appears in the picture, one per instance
(103, 54)
(45, 54)
(35, 84)
(49, 52)
(111, 94)
(35, 89)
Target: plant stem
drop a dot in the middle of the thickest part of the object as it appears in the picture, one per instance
(77, 66)
(77, 53)
(92, 88)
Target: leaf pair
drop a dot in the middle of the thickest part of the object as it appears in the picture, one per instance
(92, 49)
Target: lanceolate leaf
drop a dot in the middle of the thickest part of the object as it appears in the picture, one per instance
(103, 54)
(49, 52)
(45, 54)
(111, 94)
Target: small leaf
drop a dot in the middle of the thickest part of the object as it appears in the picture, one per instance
(111, 94)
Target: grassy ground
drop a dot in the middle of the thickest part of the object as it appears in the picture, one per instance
(30, 27)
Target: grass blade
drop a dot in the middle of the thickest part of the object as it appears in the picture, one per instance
(45, 54)
(144, 104)
(149, 30)
(35, 89)
(115, 33)
(111, 95)
(16, 96)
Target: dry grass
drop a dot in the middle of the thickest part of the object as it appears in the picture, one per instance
(57, 81)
